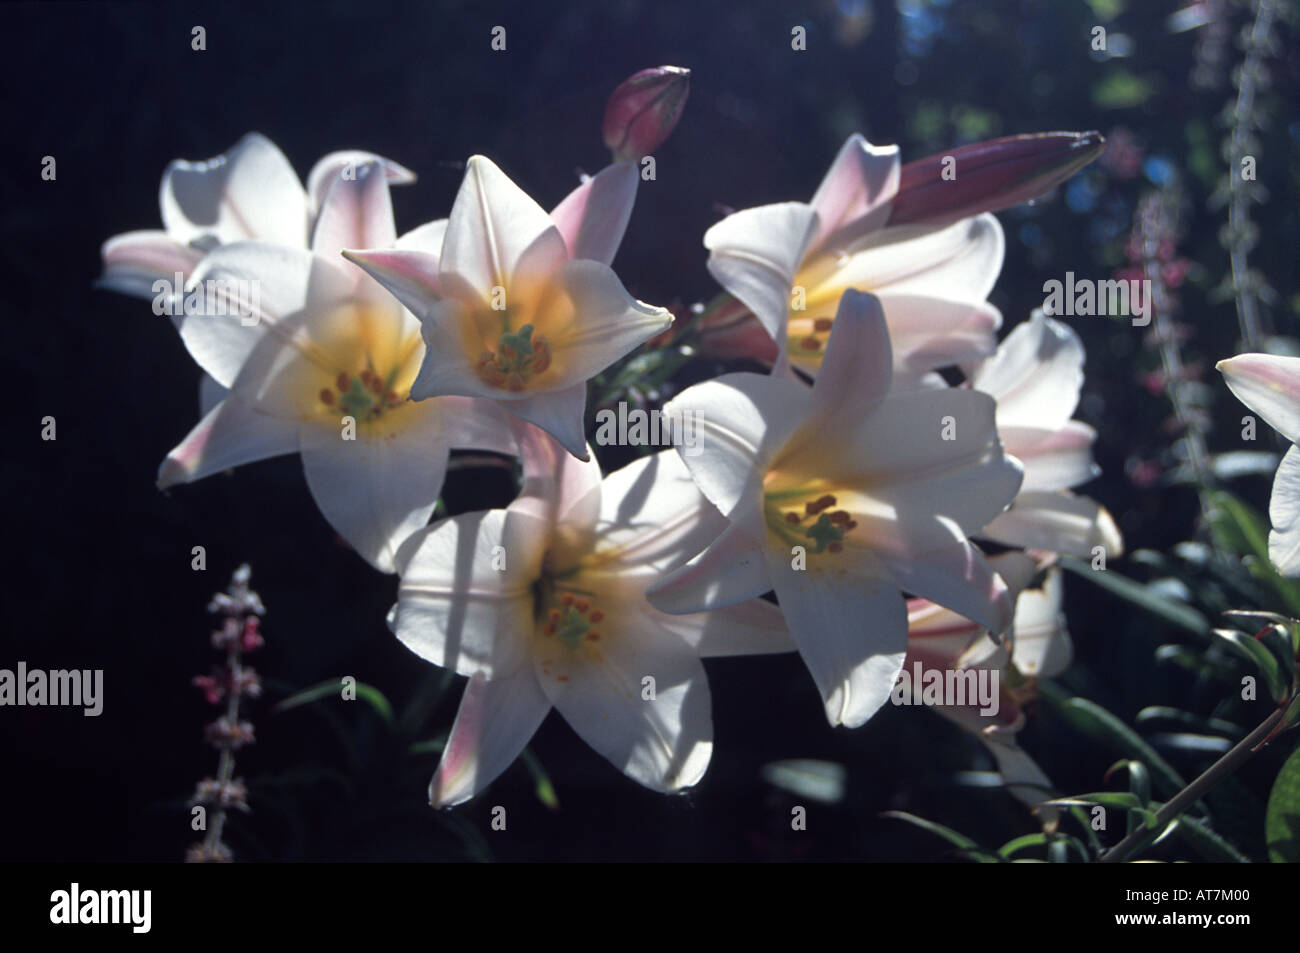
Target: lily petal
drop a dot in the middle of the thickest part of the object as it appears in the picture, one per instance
(731, 570)
(251, 192)
(380, 488)
(492, 223)
(743, 421)
(593, 217)
(495, 721)
(1268, 385)
(853, 198)
(851, 631)
(133, 261)
(663, 742)
(355, 212)
(1284, 513)
(230, 434)
(1036, 375)
(454, 607)
(1057, 522)
(331, 167)
(755, 253)
(958, 578)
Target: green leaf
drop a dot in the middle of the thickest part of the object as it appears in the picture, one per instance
(334, 688)
(1282, 818)
(1255, 651)
(1095, 722)
(1170, 610)
(960, 841)
(1139, 778)
(1238, 527)
(1209, 844)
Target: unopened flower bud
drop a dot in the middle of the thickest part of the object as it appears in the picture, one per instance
(989, 176)
(643, 111)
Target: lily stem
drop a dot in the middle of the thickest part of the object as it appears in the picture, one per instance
(1189, 795)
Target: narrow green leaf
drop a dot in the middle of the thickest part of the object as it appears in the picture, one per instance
(1252, 650)
(1282, 818)
(1170, 610)
(1206, 842)
(1095, 722)
(960, 841)
(1240, 528)
(334, 688)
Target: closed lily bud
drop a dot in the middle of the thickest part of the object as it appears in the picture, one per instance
(989, 176)
(643, 111)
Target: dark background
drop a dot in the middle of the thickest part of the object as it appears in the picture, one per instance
(98, 573)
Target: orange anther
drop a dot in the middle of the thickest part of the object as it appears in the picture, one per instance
(822, 325)
(596, 616)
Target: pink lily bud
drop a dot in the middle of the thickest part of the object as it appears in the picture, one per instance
(989, 176)
(732, 331)
(643, 111)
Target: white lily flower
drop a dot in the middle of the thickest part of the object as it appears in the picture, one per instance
(542, 605)
(521, 306)
(1035, 377)
(1039, 645)
(1270, 386)
(248, 192)
(324, 368)
(790, 263)
(841, 496)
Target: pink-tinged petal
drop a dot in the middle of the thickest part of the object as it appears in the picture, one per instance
(853, 198)
(258, 285)
(335, 165)
(851, 631)
(251, 192)
(1035, 376)
(465, 600)
(755, 254)
(742, 422)
(378, 489)
(557, 486)
(1057, 522)
(959, 578)
(752, 627)
(1041, 643)
(663, 742)
(1284, 514)
(134, 261)
(492, 223)
(1053, 460)
(731, 570)
(356, 212)
(593, 217)
(1268, 385)
(410, 274)
(961, 261)
(230, 434)
(929, 332)
(858, 368)
(495, 721)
